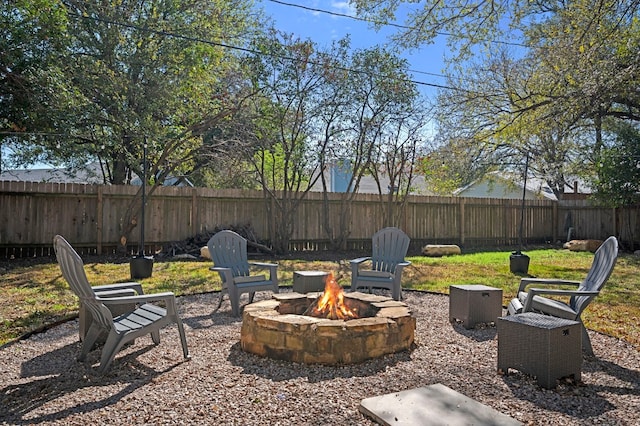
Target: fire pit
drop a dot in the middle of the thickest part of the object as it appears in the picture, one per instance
(327, 328)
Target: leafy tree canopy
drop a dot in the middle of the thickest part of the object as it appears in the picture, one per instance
(529, 77)
(123, 72)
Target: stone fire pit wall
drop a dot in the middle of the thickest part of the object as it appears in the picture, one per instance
(277, 329)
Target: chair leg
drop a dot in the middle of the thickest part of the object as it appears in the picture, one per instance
(251, 296)
(113, 344)
(84, 321)
(155, 336)
(183, 338)
(396, 291)
(586, 342)
(89, 340)
(220, 299)
(234, 298)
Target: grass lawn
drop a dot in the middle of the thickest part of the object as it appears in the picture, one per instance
(37, 295)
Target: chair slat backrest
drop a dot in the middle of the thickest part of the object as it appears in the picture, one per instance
(229, 250)
(389, 247)
(73, 271)
(603, 262)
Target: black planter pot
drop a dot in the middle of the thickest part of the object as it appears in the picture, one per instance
(141, 267)
(519, 263)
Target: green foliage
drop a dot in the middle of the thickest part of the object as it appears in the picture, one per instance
(32, 79)
(617, 182)
(276, 166)
(128, 71)
(524, 76)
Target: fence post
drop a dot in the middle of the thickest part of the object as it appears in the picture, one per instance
(462, 229)
(555, 223)
(194, 211)
(99, 214)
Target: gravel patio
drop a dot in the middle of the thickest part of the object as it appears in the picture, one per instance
(222, 385)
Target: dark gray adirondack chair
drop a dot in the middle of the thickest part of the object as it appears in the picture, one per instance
(144, 318)
(529, 300)
(389, 247)
(109, 290)
(229, 253)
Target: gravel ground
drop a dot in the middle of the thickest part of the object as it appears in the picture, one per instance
(44, 384)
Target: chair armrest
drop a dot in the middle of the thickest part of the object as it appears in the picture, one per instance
(359, 260)
(117, 293)
(263, 264)
(553, 292)
(167, 297)
(118, 286)
(140, 298)
(226, 274)
(400, 266)
(355, 266)
(524, 282)
(273, 268)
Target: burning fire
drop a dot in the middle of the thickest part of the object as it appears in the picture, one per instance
(331, 304)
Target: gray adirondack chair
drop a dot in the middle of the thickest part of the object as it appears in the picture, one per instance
(229, 253)
(529, 299)
(110, 290)
(145, 317)
(389, 248)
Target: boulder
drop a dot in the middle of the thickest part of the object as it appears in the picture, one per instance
(438, 250)
(204, 252)
(583, 245)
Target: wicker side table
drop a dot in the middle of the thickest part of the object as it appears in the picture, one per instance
(543, 346)
(306, 281)
(473, 303)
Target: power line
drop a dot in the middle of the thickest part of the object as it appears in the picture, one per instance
(242, 49)
(382, 23)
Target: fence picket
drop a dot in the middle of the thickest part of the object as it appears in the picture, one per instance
(91, 217)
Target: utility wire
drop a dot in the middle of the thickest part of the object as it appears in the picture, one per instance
(242, 49)
(382, 23)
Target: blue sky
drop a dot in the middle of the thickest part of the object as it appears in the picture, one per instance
(323, 28)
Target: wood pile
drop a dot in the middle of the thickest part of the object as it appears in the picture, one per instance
(193, 245)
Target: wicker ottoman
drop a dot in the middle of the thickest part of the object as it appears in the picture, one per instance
(472, 304)
(546, 347)
(306, 281)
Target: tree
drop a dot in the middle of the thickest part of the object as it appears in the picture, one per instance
(285, 107)
(146, 69)
(32, 80)
(617, 178)
(372, 129)
(396, 160)
(149, 71)
(576, 64)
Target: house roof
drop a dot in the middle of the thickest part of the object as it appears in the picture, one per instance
(505, 185)
(90, 174)
(337, 179)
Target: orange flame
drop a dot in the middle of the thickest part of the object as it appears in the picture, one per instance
(331, 303)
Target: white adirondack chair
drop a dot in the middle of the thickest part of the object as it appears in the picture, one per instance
(229, 253)
(145, 317)
(389, 248)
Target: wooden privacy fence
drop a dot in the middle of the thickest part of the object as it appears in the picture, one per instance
(91, 217)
